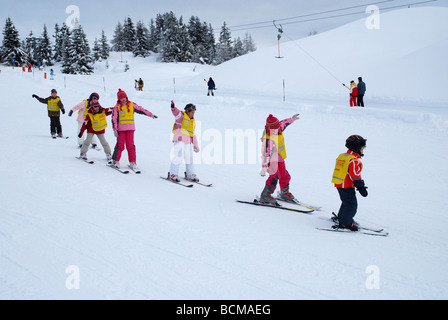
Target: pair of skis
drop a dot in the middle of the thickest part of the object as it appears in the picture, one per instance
(187, 185)
(308, 208)
(137, 171)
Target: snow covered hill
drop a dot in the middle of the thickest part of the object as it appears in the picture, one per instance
(69, 230)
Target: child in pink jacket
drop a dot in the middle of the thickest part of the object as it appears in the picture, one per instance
(81, 108)
(124, 127)
(273, 160)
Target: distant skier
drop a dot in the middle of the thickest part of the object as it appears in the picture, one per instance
(347, 177)
(51, 74)
(184, 142)
(82, 109)
(124, 127)
(361, 92)
(211, 86)
(353, 94)
(273, 159)
(95, 122)
(54, 106)
(140, 84)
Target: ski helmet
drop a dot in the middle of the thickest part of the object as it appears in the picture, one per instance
(355, 143)
(94, 94)
(190, 107)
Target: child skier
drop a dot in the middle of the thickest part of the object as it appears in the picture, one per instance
(273, 160)
(124, 127)
(82, 109)
(54, 106)
(347, 177)
(95, 123)
(184, 142)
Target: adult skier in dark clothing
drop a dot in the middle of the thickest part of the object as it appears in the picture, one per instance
(211, 86)
(361, 92)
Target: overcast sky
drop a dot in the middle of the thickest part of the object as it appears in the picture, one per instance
(298, 17)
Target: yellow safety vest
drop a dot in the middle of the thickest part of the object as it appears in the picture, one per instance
(279, 141)
(98, 121)
(126, 114)
(53, 104)
(187, 127)
(341, 167)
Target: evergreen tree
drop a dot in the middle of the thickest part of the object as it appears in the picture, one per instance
(248, 44)
(11, 47)
(237, 49)
(153, 40)
(118, 39)
(128, 35)
(141, 48)
(168, 46)
(224, 46)
(77, 56)
(104, 47)
(29, 48)
(66, 45)
(185, 47)
(44, 49)
(96, 50)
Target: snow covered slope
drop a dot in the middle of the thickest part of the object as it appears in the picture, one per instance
(65, 223)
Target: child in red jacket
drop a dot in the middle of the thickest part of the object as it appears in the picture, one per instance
(95, 123)
(347, 177)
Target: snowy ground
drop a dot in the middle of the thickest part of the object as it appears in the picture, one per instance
(64, 223)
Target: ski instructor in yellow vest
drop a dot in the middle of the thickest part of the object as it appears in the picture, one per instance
(347, 177)
(185, 142)
(54, 106)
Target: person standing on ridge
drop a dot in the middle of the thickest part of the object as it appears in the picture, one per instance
(211, 86)
(361, 92)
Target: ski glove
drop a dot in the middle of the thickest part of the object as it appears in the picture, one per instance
(360, 186)
(154, 116)
(263, 171)
(63, 111)
(80, 134)
(296, 116)
(172, 104)
(70, 113)
(34, 96)
(116, 133)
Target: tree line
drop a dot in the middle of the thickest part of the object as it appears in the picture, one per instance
(166, 35)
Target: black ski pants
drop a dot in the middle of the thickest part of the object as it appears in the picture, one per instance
(55, 125)
(349, 206)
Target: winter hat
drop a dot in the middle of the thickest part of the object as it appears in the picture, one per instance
(121, 94)
(272, 123)
(94, 94)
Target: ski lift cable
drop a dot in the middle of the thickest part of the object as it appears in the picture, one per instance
(242, 26)
(314, 59)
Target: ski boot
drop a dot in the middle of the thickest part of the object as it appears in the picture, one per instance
(173, 177)
(267, 198)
